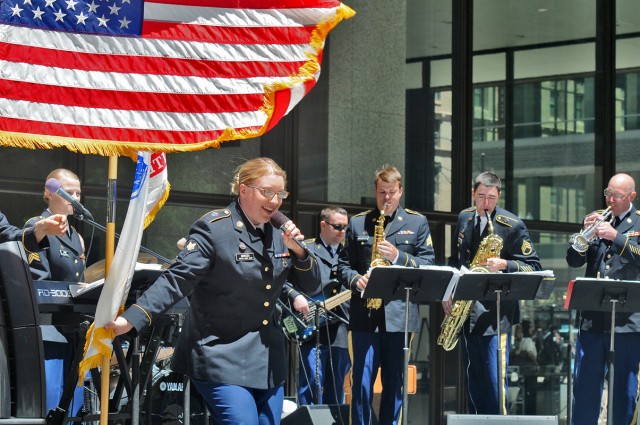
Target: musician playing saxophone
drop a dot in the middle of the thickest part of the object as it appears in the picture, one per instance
(377, 334)
(479, 337)
(614, 254)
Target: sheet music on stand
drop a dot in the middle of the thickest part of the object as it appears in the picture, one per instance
(426, 284)
(592, 294)
(92, 290)
(605, 295)
(543, 290)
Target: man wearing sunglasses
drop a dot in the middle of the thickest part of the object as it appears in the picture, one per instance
(614, 254)
(333, 353)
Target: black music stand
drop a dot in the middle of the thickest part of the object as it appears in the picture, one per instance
(617, 296)
(410, 285)
(499, 287)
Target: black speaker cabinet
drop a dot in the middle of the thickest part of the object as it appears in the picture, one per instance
(21, 337)
(501, 420)
(321, 414)
(5, 383)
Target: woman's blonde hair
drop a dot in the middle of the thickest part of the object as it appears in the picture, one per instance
(253, 169)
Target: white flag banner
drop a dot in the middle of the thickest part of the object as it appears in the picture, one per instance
(150, 191)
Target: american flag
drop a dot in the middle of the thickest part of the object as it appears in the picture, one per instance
(118, 76)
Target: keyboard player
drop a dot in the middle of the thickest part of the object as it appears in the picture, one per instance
(64, 260)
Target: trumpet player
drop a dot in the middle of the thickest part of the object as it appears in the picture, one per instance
(614, 252)
(479, 339)
(377, 333)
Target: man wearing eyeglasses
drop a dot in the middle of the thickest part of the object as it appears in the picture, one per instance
(614, 254)
(479, 337)
(377, 329)
(332, 350)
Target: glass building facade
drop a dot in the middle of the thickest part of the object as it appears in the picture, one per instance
(545, 94)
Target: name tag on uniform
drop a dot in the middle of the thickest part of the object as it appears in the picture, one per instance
(363, 238)
(244, 257)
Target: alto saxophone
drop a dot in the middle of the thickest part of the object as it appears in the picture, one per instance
(490, 247)
(377, 260)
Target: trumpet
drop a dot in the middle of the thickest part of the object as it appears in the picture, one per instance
(581, 241)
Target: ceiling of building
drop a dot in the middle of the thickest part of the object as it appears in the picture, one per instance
(511, 23)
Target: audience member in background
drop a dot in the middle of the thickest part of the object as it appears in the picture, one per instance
(526, 357)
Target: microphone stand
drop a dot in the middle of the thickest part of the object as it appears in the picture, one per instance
(81, 217)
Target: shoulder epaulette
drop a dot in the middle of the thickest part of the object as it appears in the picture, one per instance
(507, 221)
(33, 220)
(412, 211)
(363, 213)
(215, 215)
(470, 209)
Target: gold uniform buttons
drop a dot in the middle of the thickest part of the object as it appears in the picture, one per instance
(266, 269)
(267, 287)
(266, 303)
(608, 267)
(77, 274)
(265, 322)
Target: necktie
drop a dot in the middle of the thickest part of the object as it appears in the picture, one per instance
(330, 250)
(617, 222)
(260, 233)
(475, 237)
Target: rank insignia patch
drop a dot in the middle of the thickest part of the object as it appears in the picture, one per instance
(527, 248)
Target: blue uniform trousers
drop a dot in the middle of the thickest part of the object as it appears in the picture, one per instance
(236, 405)
(591, 369)
(370, 351)
(481, 367)
(57, 366)
(334, 364)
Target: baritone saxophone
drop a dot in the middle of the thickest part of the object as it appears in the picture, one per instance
(489, 247)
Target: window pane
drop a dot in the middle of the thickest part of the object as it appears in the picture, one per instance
(546, 385)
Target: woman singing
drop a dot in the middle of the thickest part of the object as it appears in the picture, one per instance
(233, 266)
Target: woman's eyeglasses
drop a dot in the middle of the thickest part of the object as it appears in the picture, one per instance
(268, 193)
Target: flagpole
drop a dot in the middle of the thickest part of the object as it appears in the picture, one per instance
(110, 248)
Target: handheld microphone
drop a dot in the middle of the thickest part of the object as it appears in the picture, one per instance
(54, 186)
(278, 220)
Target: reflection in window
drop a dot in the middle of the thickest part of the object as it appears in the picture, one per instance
(488, 113)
